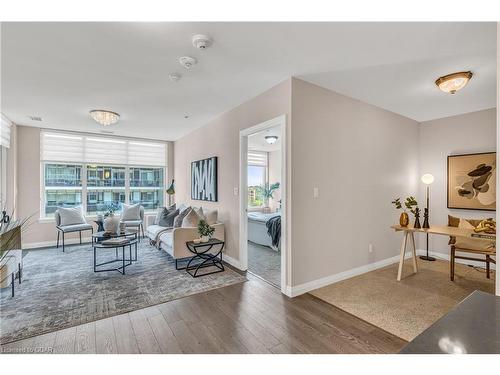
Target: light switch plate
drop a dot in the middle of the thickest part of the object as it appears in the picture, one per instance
(315, 193)
(235, 191)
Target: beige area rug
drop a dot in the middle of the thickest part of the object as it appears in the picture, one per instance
(406, 308)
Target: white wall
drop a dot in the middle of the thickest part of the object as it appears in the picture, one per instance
(360, 157)
(463, 134)
(274, 163)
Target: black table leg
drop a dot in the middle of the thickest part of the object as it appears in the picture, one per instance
(12, 283)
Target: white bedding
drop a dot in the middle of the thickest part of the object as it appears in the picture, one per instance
(257, 230)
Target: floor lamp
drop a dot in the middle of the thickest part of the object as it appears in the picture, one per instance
(427, 179)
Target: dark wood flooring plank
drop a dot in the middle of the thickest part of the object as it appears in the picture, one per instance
(143, 333)
(163, 334)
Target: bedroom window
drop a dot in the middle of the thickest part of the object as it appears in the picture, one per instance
(257, 178)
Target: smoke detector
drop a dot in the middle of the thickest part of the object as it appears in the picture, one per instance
(35, 118)
(174, 77)
(202, 41)
(187, 62)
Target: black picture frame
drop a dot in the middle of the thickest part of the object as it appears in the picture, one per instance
(448, 205)
(204, 177)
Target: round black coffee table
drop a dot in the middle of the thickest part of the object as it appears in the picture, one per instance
(122, 262)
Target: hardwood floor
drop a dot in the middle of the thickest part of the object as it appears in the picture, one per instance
(251, 317)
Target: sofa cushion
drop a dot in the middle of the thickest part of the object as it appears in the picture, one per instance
(71, 216)
(75, 227)
(182, 214)
(167, 218)
(465, 243)
(191, 220)
(474, 245)
(131, 212)
(167, 238)
(153, 230)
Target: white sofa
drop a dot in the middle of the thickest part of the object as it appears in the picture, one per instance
(173, 240)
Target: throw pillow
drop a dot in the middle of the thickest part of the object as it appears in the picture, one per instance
(182, 214)
(191, 220)
(159, 212)
(71, 216)
(167, 218)
(131, 212)
(199, 212)
(211, 216)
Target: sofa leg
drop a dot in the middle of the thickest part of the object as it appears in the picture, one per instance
(80, 233)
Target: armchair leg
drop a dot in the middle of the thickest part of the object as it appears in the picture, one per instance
(488, 260)
(80, 234)
(63, 240)
(452, 263)
(57, 243)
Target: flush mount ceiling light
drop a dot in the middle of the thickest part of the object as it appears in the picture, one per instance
(271, 139)
(451, 83)
(202, 41)
(104, 117)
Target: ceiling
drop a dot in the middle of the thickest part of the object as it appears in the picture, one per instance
(60, 71)
(257, 141)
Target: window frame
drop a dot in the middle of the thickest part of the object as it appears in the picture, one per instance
(84, 187)
(266, 181)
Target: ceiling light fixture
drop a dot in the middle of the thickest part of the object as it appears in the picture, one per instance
(451, 83)
(104, 117)
(271, 139)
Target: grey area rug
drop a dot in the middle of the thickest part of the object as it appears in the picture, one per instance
(265, 262)
(61, 290)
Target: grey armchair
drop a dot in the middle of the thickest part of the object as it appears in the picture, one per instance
(80, 227)
(137, 222)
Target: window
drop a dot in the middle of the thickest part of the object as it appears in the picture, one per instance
(63, 186)
(147, 186)
(257, 178)
(96, 172)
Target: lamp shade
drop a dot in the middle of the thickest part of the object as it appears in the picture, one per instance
(427, 179)
(171, 189)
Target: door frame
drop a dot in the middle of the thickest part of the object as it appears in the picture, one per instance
(285, 194)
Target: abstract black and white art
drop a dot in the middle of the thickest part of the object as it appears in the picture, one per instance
(204, 179)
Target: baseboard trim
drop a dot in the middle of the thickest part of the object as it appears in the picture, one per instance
(233, 262)
(324, 281)
(69, 241)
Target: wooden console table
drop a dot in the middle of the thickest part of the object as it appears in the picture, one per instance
(440, 230)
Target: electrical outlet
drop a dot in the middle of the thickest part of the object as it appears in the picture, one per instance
(370, 248)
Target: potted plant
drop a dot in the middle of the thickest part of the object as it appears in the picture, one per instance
(111, 222)
(412, 205)
(268, 191)
(205, 231)
(403, 218)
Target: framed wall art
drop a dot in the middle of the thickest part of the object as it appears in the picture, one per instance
(204, 179)
(472, 181)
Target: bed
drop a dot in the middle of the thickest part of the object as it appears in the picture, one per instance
(257, 230)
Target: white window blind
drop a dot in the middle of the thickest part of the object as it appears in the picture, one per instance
(5, 126)
(67, 147)
(257, 158)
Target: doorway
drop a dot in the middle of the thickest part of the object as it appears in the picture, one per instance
(263, 191)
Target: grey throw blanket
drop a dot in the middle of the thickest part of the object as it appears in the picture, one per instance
(273, 226)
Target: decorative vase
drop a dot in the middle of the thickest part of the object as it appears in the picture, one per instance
(204, 239)
(426, 225)
(417, 219)
(404, 219)
(111, 224)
